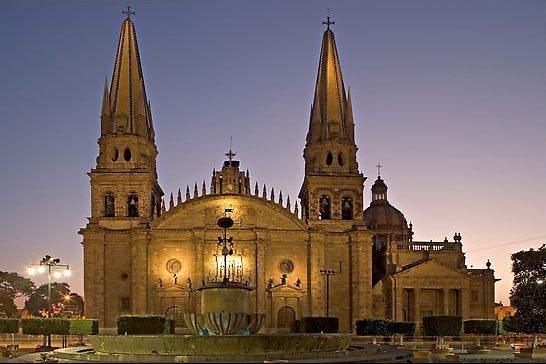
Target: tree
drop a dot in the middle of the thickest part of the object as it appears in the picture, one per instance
(13, 286)
(36, 304)
(529, 291)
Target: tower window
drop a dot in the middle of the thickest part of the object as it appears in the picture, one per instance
(329, 158)
(324, 207)
(347, 208)
(127, 154)
(340, 159)
(115, 157)
(109, 205)
(132, 205)
(152, 205)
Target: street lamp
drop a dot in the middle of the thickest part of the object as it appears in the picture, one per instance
(53, 267)
(327, 273)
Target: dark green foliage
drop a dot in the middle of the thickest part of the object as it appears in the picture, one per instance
(144, 325)
(9, 326)
(529, 291)
(374, 327)
(295, 327)
(399, 327)
(84, 327)
(45, 326)
(480, 327)
(509, 324)
(12, 286)
(37, 301)
(367, 327)
(442, 325)
(327, 325)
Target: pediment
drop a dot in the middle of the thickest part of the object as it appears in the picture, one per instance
(431, 268)
(248, 212)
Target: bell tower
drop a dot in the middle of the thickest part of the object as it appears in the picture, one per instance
(333, 186)
(124, 182)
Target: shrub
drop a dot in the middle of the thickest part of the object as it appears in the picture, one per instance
(295, 327)
(367, 327)
(400, 327)
(442, 325)
(509, 324)
(9, 326)
(480, 327)
(327, 325)
(84, 327)
(45, 326)
(144, 325)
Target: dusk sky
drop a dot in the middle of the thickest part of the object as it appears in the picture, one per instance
(449, 96)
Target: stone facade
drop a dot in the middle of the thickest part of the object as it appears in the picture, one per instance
(145, 255)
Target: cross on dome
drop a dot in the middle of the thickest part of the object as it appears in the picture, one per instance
(379, 166)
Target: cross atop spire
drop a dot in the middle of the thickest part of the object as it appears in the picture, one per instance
(230, 154)
(328, 22)
(128, 12)
(379, 166)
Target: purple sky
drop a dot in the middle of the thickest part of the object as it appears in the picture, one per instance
(448, 95)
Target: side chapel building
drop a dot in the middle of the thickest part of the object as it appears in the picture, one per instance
(145, 255)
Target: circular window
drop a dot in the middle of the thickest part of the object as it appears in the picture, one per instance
(115, 157)
(329, 158)
(124, 276)
(127, 154)
(286, 266)
(340, 159)
(174, 266)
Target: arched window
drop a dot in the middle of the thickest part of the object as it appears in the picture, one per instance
(329, 158)
(340, 159)
(115, 156)
(285, 316)
(152, 205)
(127, 154)
(324, 207)
(109, 205)
(132, 205)
(347, 208)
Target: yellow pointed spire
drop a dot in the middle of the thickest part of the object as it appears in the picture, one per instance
(328, 114)
(129, 104)
(106, 121)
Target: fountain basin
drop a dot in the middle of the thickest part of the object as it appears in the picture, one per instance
(214, 348)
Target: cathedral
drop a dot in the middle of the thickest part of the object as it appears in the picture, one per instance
(328, 254)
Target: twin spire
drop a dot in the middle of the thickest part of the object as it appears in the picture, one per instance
(125, 107)
(331, 112)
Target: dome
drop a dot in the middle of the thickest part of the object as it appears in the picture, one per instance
(384, 216)
(381, 215)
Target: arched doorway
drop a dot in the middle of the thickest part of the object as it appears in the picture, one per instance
(285, 316)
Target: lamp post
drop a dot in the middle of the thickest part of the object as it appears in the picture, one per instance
(327, 273)
(53, 267)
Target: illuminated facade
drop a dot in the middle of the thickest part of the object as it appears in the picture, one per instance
(143, 254)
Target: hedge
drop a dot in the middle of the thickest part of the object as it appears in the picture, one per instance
(480, 327)
(9, 326)
(367, 327)
(327, 325)
(295, 326)
(442, 325)
(84, 327)
(144, 325)
(400, 327)
(45, 326)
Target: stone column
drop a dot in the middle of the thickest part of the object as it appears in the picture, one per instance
(417, 308)
(259, 266)
(94, 280)
(464, 303)
(139, 272)
(315, 285)
(445, 301)
(399, 304)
